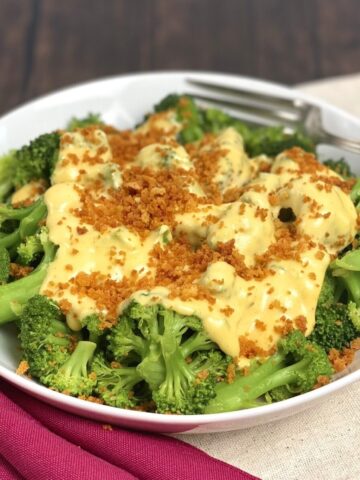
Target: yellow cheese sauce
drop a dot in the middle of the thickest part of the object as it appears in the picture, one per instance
(30, 192)
(255, 308)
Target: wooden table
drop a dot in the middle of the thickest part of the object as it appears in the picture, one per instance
(47, 44)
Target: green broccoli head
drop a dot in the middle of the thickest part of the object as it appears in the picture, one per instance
(94, 326)
(115, 383)
(36, 160)
(90, 119)
(46, 340)
(171, 353)
(125, 341)
(30, 250)
(170, 102)
(190, 381)
(273, 140)
(73, 376)
(341, 167)
(333, 326)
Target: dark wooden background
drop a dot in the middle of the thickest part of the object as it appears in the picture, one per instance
(46, 44)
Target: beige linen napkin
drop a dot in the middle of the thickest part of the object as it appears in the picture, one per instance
(322, 443)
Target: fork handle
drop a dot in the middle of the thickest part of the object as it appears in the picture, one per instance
(340, 142)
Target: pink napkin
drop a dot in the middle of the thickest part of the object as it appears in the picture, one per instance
(40, 442)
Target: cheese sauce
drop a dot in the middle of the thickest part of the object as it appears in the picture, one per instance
(251, 307)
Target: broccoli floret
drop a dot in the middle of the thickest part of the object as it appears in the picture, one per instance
(36, 160)
(188, 113)
(7, 169)
(168, 103)
(93, 325)
(4, 265)
(341, 167)
(90, 119)
(273, 140)
(17, 293)
(115, 383)
(46, 340)
(333, 326)
(354, 315)
(29, 250)
(189, 382)
(171, 353)
(328, 290)
(346, 270)
(125, 339)
(73, 376)
(296, 365)
(134, 341)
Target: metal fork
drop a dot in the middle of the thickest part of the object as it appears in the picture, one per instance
(266, 109)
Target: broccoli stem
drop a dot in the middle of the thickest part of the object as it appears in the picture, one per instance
(8, 212)
(352, 283)
(58, 333)
(20, 291)
(77, 364)
(197, 341)
(245, 389)
(28, 226)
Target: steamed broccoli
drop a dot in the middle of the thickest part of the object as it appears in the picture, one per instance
(346, 270)
(353, 312)
(7, 169)
(92, 323)
(334, 327)
(29, 250)
(115, 383)
(46, 340)
(341, 167)
(53, 352)
(90, 119)
(36, 160)
(15, 294)
(296, 366)
(134, 341)
(273, 140)
(27, 218)
(4, 265)
(73, 376)
(171, 353)
(197, 121)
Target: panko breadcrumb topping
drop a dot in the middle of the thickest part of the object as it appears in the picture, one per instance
(146, 200)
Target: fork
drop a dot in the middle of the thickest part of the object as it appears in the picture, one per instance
(265, 109)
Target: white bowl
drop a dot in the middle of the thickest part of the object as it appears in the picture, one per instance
(122, 101)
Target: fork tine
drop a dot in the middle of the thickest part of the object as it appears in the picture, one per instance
(268, 100)
(243, 110)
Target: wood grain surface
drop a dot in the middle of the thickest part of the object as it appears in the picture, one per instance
(47, 44)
